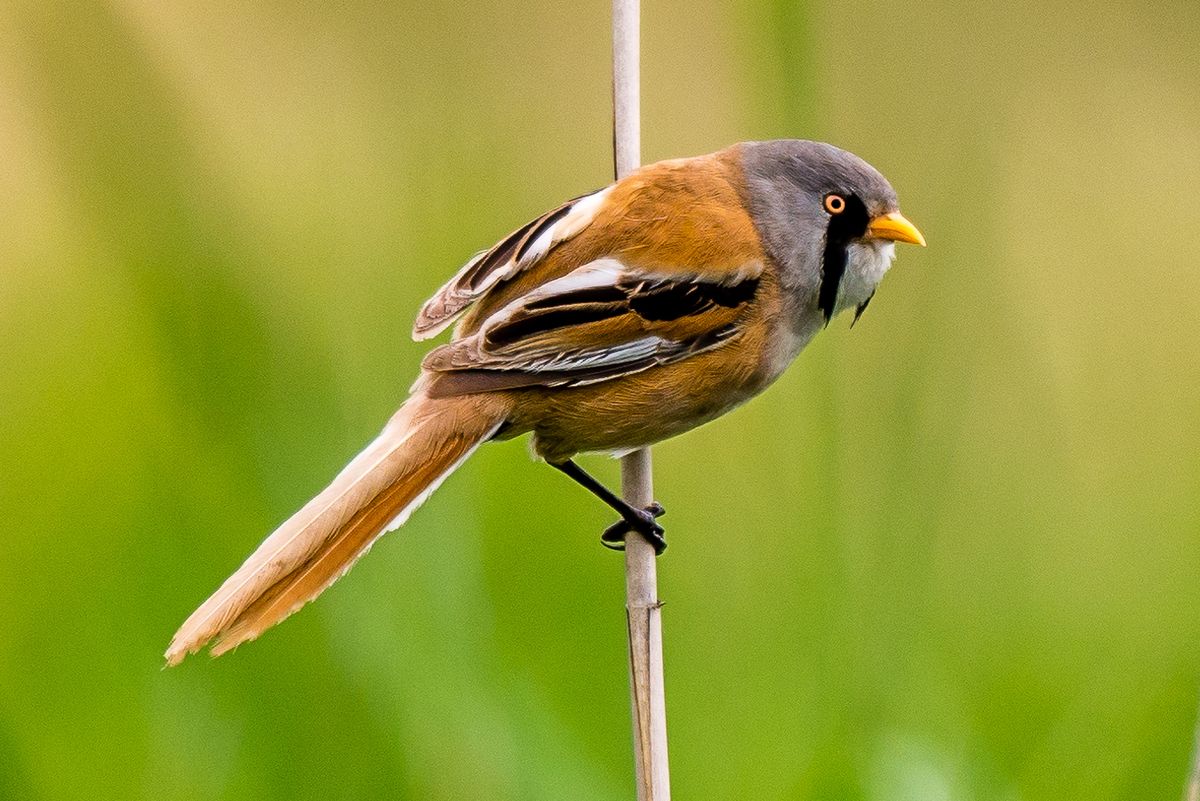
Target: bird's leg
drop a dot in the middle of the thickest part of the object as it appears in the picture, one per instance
(640, 520)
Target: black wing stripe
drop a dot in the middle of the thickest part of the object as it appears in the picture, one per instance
(525, 326)
(654, 301)
(545, 222)
(496, 256)
(516, 244)
(664, 301)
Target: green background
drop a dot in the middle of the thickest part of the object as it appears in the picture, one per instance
(953, 554)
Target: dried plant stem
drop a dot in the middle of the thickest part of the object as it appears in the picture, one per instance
(1192, 791)
(644, 615)
(647, 698)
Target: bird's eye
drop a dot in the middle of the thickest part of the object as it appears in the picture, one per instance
(835, 204)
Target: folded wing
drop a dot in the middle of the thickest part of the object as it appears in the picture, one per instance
(603, 320)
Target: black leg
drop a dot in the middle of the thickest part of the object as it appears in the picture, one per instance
(640, 520)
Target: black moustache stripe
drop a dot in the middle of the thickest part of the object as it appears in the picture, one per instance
(843, 228)
(833, 265)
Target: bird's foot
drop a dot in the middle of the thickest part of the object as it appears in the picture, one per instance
(643, 521)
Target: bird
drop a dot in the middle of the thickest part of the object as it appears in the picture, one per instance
(618, 319)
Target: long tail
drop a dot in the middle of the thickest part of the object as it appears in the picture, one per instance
(420, 446)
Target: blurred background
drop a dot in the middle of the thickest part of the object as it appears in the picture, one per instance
(953, 554)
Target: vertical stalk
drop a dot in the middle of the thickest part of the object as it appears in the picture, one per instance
(643, 610)
(1192, 791)
(644, 617)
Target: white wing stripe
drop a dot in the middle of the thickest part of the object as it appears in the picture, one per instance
(454, 298)
(608, 272)
(582, 212)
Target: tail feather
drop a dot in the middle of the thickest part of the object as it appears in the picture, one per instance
(419, 447)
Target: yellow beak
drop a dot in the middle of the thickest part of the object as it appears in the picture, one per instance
(894, 227)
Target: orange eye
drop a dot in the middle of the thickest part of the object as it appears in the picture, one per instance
(835, 204)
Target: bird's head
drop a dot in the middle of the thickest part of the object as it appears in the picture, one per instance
(829, 219)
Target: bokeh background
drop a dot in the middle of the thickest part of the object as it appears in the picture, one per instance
(953, 554)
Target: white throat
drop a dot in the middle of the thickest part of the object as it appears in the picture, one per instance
(866, 262)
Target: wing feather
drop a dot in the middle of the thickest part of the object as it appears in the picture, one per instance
(510, 256)
(601, 321)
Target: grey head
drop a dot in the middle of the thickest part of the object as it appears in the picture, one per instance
(827, 218)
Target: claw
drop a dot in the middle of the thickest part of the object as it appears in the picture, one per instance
(614, 536)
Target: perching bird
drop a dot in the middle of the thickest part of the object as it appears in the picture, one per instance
(614, 321)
